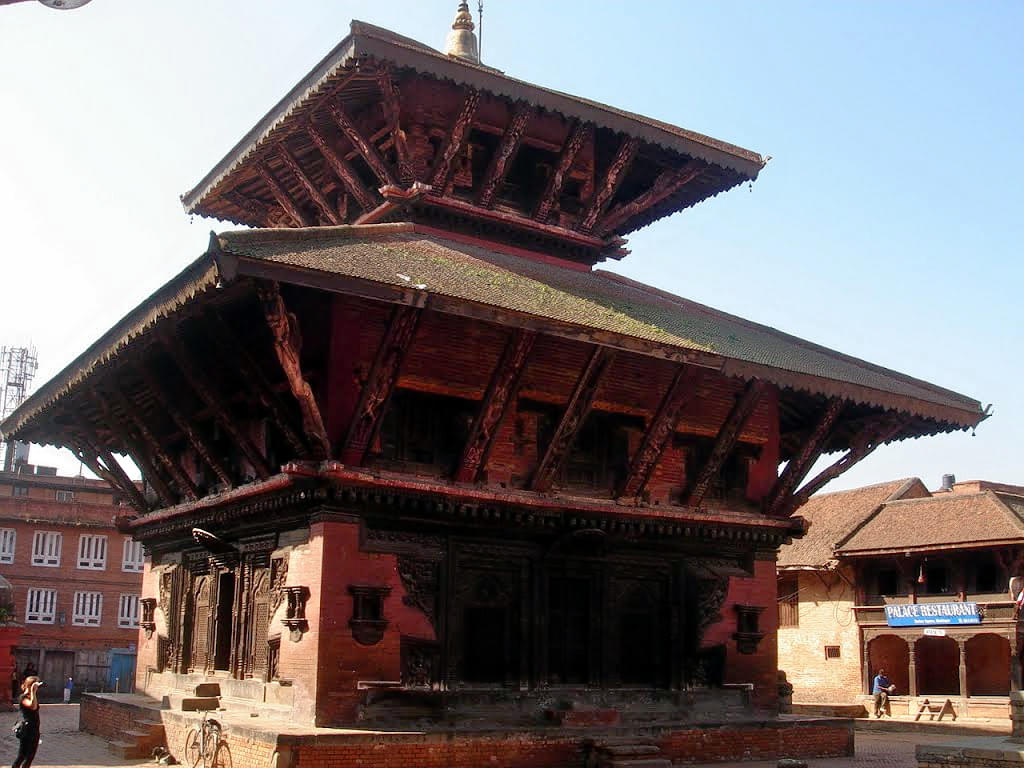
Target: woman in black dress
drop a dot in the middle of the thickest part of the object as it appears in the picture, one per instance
(28, 738)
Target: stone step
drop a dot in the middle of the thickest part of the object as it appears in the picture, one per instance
(128, 750)
(637, 762)
(628, 750)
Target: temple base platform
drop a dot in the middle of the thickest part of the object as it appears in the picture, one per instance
(254, 739)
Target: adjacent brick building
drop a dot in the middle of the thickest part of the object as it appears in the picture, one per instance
(897, 544)
(76, 579)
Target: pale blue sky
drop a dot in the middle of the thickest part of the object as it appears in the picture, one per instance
(887, 225)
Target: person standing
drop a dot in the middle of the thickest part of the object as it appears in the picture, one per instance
(68, 686)
(28, 729)
(881, 689)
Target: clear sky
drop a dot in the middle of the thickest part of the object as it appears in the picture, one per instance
(888, 223)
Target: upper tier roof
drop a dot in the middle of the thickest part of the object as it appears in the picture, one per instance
(383, 113)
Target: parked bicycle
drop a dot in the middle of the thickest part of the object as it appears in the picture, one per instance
(203, 743)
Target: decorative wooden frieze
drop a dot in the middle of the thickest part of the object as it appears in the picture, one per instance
(747, 634)
(295, 616)
(665, 185)
(660, 430)
(148, 620)
(456, 142)
(576, 412)
(711, 595)
(359, 142)
(500, 392)
(368, 623)
(617, 171)
(726, 440)
(281, 195)
(380, 384)
(278, 577)
(780, 498)
(498, 168)
(420, 581)
(553, 189)
(341, 168)
(327, 212)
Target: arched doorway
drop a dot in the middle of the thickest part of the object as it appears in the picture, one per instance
(988, 665)
(938, 666)
(890, 652)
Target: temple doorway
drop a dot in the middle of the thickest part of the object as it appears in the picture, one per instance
(225, 621)
(938, 666)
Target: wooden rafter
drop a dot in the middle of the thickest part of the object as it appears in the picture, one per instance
(281, 195)
(392, 99)
(292, 164)
(573, 143)
(86, 450)
(617, 171)
(456, 142)
(725, 441)
(199, 383)
(284, 327)
(665, 185)
(380, 383)
(345, 173)
(863, 443)
(500, 392)
(185, 485)
(236, 353)
(498, 168)
(576, 412)
(660, 430)
(255, 209)
(796, 470)
(203, 449)
(136, 449)
(359, 142)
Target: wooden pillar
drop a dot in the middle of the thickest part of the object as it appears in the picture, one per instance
(866, 665)
(1015, 681)
(963, 667)
(912, 666)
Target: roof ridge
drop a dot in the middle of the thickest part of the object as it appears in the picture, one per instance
(944, 497)
(902, 481)
(873, 513)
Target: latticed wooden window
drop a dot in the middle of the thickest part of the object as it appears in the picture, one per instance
(789, 602)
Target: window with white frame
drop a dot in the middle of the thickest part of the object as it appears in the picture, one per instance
(92, 552)
(133, 557)
(19, 490)
(46, 548)
(128, 612)
(88, 609)
(65, 496)
(7, 539)
(41, 606)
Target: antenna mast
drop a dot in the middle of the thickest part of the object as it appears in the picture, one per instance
(480, 26)
(17, 369)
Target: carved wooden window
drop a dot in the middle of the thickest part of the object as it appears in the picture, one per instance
(8, 537)
(424, 430)
(274, 659)
(599, 456)
(789, 602)
(832, 652)
(87, 610)
(568, 631)
(92, 552)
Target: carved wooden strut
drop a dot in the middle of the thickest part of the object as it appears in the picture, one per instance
(617, 171)
(345, 173)
(283, 198)
(553, 190)
(368, 152)
(503, 155)
(780, 498)
(456, 141)
(327, 211)
(665, 185)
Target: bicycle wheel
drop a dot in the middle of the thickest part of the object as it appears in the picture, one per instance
(212, 741)
(193, 749)
(221, 756)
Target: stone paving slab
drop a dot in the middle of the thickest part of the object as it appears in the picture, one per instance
(62, 743)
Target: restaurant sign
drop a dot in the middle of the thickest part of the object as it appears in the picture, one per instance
(924, 614)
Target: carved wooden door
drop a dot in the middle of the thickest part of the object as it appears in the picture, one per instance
(201, 619)
(256, 656)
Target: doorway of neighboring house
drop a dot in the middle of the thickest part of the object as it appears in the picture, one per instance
(58, 666)
(225, 620)
(121, 677)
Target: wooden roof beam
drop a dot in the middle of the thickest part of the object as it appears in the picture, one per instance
(86, 451)
(660, 431)
(292, 164)
(255, 209)
(392, 99)
(501, 391)
(617, 171)
(199, 383)
(380, 383)
(726, 439)
(185, 485)
(553, 190)
(498, 168)
(576, 412)
(796, 470)
(367, 150)
(284, 327)
(665, 185)
(456, 142)
(281, 195)
(203, 449)
(341, 168)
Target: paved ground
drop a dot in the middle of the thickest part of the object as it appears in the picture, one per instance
(64, 745)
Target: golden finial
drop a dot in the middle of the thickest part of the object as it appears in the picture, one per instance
(461, 42)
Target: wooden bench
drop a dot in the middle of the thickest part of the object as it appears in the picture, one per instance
(933, 708)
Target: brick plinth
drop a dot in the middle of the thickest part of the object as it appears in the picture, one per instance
(254, 745)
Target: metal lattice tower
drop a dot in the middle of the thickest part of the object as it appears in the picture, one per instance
(18, 367)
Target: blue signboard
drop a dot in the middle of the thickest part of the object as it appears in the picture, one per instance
(931, 614)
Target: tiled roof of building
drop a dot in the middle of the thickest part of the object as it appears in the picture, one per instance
(833, 516)
(938, 522)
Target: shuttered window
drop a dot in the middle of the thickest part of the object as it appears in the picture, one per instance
(789, 602)
(46, 548)
(128, 612)
(92, 552)
(88, 609)
(132, 558)
(7, 540)
(41, 606)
